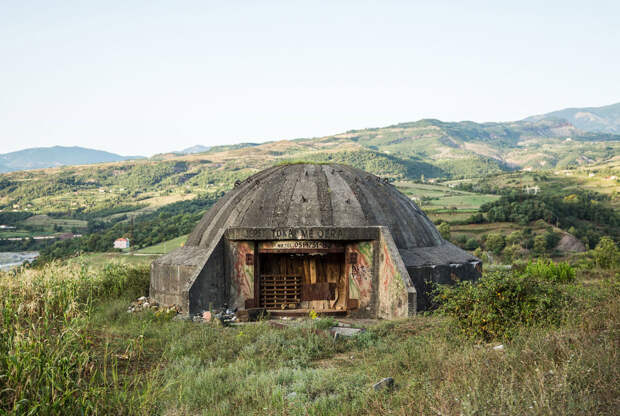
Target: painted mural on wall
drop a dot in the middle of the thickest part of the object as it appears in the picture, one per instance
(393, 300)
(242, 279)
(360, 273)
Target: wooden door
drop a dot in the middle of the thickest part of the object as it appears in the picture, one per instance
(302, 281)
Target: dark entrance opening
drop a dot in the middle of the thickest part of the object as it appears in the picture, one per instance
(302, 281)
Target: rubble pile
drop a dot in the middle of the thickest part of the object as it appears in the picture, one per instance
(143, 303)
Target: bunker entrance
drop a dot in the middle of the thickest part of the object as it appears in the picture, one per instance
(301, 278)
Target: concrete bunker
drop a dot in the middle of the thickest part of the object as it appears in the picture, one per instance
(301, 237)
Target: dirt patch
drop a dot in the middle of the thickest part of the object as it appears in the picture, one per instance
(570, 243)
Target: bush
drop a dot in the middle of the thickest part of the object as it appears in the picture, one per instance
(512, 252)
(476, 219)
(444, 230)
(501, 302)
(495, 242)
(606, 254)
(550, 271)
(540, 244)
(471, 244)
(461, 239)
(514, 238)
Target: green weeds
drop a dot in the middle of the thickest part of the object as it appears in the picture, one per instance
(68, 346)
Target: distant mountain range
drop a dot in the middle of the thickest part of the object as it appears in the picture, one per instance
(601, 119)
(47, 157)
(430, 147)
(195, 149)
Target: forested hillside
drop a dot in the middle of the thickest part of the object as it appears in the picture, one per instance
(156, 199)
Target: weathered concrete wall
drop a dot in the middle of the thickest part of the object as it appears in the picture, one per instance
(396, 295)
(172, 274)
(210, 287)
(241, 274)
(360, 275)
(425, 277)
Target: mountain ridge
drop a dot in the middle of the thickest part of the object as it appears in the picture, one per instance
(604, 119)
(54, 156)
(430, 145)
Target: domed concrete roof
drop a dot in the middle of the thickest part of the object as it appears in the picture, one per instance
(306, 195)
(355, 205)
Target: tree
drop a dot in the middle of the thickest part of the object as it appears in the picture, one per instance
(512, 252)
(540, 244)
(471, 244)
(495, 242)
(606, 253)
(515, 237)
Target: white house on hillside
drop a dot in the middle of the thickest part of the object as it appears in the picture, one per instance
(121, 243)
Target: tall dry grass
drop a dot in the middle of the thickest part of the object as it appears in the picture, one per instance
(47, 361)
(67, 346)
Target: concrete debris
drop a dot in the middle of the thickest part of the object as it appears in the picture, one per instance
(342, 331)
(384, 383)
(143, 303)
(223, 317)
(499, 347)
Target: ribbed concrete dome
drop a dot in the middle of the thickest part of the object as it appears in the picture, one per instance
(317, 195)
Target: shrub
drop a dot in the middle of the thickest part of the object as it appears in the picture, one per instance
(444, 230)
(540, 244)
(325, 323)
(606, 254)
(550, 271)
(476, 219)
(501, 302)
(461, 239)
(495, 242)
(515, 237)
(471, 244)
(512, 252)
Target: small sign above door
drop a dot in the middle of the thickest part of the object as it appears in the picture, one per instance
(300, 246)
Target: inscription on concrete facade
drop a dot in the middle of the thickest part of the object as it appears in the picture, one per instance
(318, 245)
(303, 233)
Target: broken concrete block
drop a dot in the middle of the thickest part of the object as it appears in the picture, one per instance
(384, 383)
(339, 331)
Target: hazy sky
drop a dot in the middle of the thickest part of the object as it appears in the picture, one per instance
(143, 77)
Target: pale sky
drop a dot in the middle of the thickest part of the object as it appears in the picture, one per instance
(144, 77)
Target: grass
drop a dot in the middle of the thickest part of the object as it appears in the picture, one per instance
(68, 346)
(441, 197)
(165, 247)
(49, 222)
(98, 260)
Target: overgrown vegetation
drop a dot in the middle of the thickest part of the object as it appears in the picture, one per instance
(68, 346)
(504, 302)
(50, 362)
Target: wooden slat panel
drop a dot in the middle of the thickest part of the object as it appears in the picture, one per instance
(281, 289)
(319, 291)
